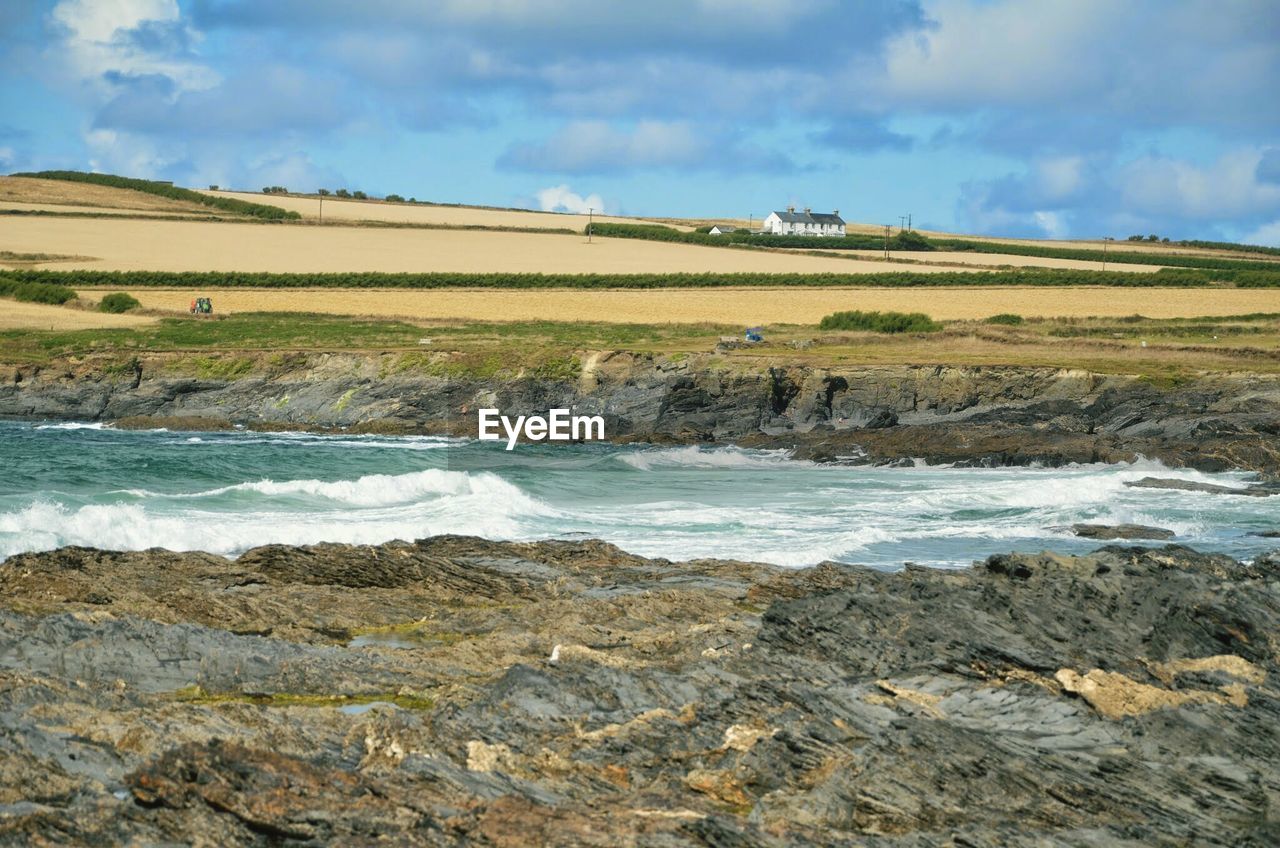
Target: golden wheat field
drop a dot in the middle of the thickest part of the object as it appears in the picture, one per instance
(721, 306)
(411, 213)
(977, 261)
(15, 315)
(28, 193)
(126, 245)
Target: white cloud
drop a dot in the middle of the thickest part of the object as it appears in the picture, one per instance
(561, 199)
(1267, 235)
(96, 41)
(1227, 188)
(594, 146)
(1004, 51)
(113, 152)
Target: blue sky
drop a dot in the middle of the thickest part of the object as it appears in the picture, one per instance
(1066, 118)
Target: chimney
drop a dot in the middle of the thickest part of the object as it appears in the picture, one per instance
(835, 211)
(791, 209)
(807, 210)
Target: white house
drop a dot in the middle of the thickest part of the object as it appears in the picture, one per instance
(806, 223)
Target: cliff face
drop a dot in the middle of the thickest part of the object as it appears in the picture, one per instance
(990, 415)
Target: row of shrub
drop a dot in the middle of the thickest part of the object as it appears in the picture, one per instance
(912, 241)
(880, 322)
(34, 291)
(226, 204)
(1122, 257)
(1181, 278)
(1230, 245)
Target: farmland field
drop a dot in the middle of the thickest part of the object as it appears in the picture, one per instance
(124, 245)
(723, 306)
(31, 194)
(336, 209)
(989, 260)
(15, 315)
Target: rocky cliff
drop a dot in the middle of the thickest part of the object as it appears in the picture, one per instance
(455, 691)
(986, 415)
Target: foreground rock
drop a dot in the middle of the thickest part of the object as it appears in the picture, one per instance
(461, 692)
(962, 415)
(1257, 490)
(1121, 531)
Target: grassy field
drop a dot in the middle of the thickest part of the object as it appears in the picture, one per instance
(733, 306)
(239, 344)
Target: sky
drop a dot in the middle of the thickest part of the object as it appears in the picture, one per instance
(1053, 118)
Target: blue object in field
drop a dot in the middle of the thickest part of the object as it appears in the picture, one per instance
(753, 334)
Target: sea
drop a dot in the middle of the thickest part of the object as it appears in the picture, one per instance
(87, 484)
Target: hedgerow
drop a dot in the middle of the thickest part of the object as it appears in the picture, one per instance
(1179, 278)
(226, 204)
(1121, 257)
(33, 291)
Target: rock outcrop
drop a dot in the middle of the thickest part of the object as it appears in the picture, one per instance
(967, 415)
(454, 691)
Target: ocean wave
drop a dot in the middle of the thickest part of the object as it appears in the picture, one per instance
(372, 490)
(695, 456)
(370, 510)
(73, 425)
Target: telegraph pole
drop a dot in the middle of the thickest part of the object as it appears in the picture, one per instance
(322, 209)
(909, 228)
(887, 228)
(902, 222)
(590, 220)
(1105, 240)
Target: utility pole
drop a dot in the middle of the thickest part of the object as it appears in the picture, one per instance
(902, 222)
(1105, 240)
(909, 228)
(322, 209)
(887, 228)
(590, 220)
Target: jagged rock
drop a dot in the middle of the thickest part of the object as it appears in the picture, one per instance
(965, 415)
(1128, 696)
(1121, 531)
(1258, 490)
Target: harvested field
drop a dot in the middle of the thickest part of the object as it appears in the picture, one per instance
(61, 196)
(123, 245)
(15, 315)
(14, 206)
(992, 260)
(723, 306)
(425, 214)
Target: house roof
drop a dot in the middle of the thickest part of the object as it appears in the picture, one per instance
(810, 218)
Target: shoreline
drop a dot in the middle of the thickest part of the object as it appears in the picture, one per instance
(967, 415)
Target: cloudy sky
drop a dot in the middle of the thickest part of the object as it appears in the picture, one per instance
(1049, 118)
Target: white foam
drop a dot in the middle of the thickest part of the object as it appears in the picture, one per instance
(481, 507)
(694, 456)
(73, 425)
(374, 489)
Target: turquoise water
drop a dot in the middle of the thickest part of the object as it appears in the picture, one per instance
(74, 484)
